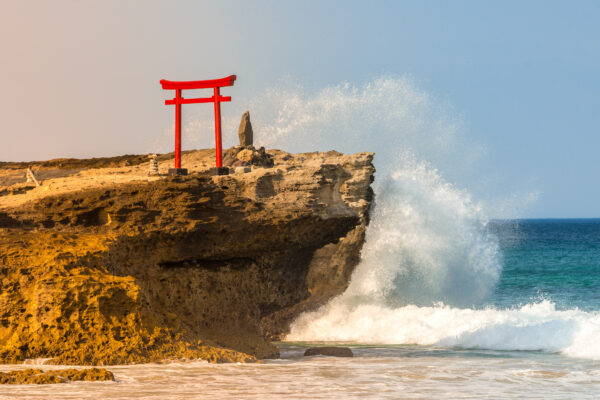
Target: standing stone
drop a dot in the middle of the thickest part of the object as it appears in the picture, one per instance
(245, 130)
(153, 168)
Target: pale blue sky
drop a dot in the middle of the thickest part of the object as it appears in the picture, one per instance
(80, 78)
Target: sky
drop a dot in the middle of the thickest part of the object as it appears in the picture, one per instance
(80, 78)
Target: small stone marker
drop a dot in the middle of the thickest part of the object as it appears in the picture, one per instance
(31, 177)
(329, 351)
(153, 168)
(245, 130)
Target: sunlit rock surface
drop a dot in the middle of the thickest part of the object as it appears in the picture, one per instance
(102, 264)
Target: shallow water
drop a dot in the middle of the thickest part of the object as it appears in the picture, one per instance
(376, 372)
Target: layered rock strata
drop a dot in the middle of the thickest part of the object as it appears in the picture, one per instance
(110, 266)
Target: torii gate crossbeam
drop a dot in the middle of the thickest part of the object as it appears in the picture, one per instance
(178, 100)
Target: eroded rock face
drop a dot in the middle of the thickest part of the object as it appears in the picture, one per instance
(195, 267)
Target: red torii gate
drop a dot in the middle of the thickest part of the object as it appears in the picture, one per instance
(216, 85)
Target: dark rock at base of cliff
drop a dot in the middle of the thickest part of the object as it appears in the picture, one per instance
(329, 351)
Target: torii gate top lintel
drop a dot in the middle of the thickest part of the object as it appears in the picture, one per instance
(178, 86)
(212, 83)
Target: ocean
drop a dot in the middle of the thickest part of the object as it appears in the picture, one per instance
(534, 336)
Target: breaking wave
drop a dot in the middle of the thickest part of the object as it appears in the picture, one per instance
(427, 240)
(428, 263)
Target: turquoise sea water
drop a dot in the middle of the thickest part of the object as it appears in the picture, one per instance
(553, 259)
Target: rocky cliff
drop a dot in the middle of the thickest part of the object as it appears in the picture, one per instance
(102, 264)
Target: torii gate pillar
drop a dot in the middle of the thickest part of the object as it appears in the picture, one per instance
(216, 85)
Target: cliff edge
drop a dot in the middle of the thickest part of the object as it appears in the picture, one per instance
(102, 264)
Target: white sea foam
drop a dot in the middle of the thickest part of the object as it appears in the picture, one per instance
(537, 326)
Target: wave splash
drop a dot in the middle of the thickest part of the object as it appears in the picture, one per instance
(428, 263)
(427, 243)
(427, 240)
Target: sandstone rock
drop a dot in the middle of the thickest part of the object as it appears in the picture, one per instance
(86, 374)
(38, 376)
(245, 155)
(329, 351)
(255, 157)
(192, 267)
(245, 133)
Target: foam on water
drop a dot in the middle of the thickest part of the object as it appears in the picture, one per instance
(537, 326)
(376, 373)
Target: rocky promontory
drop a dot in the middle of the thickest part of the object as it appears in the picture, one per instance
(103, 264)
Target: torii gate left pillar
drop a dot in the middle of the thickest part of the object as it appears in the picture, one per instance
(216, 85)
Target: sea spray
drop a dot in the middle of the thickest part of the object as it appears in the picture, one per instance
(428, 263)
(426, 241)
(388, 115)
